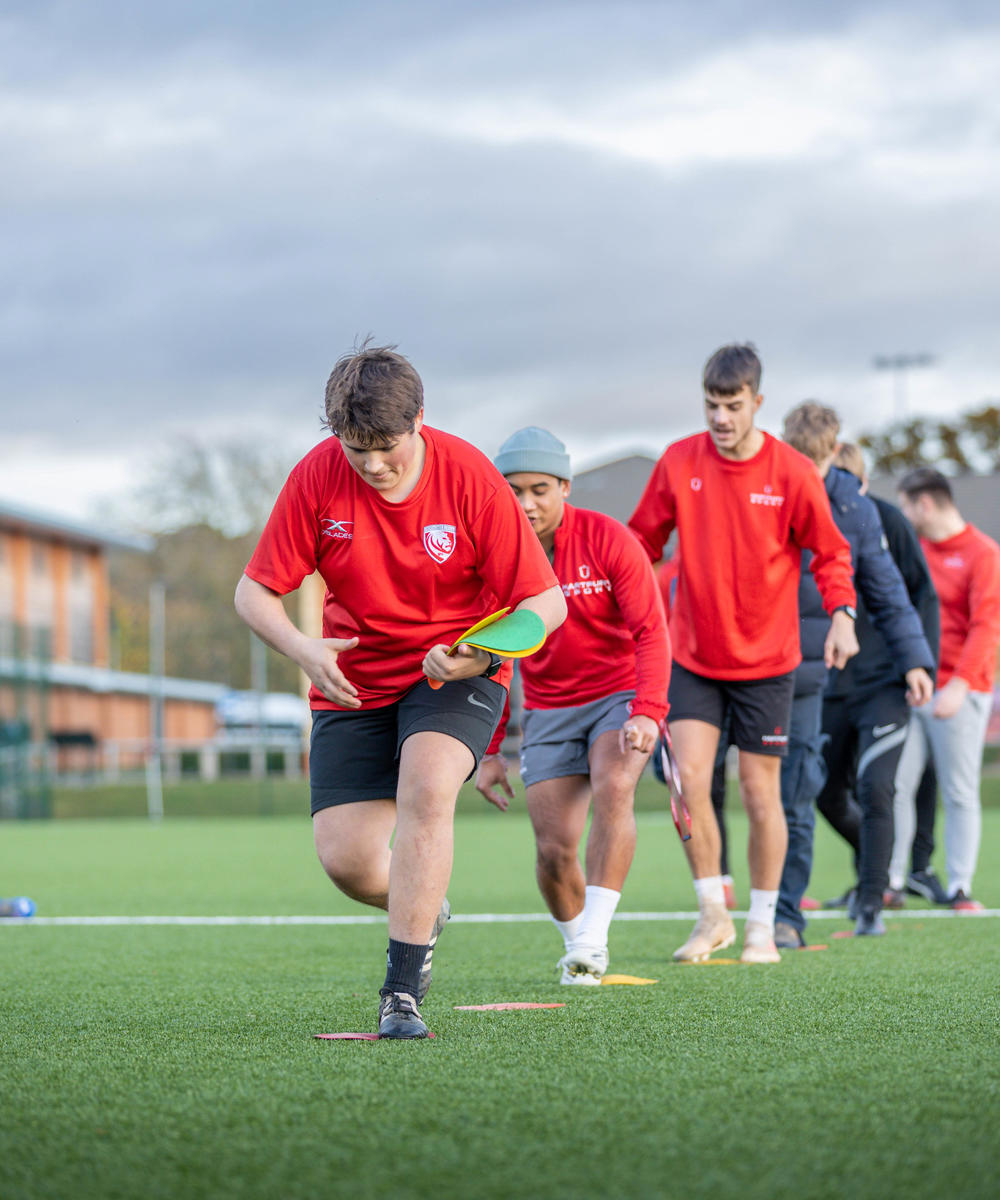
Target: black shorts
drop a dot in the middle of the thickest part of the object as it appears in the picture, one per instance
(354, 754)
(759, 710)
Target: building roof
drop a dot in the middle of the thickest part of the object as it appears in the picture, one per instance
(59, 528)
(613, 487)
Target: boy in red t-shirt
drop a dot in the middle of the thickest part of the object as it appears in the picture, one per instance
(965, 566)
(745, 505)
(593, 699)
(416, 537)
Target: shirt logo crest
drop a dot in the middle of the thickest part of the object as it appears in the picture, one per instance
(439, 541)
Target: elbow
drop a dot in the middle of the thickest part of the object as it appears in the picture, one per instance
(559, 610)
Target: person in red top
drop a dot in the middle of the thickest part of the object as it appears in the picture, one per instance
(745, 505)
(965, 567)
(416, 537)
(593, 696)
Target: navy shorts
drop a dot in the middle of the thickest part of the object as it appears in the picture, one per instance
(760, 710)
(354, 754)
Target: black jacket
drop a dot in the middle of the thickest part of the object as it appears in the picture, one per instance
(889, 629)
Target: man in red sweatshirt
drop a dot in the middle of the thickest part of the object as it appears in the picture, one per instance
(745, 505)
(965, 566)
(594, 696)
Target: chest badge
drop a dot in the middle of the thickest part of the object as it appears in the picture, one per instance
(439, 541)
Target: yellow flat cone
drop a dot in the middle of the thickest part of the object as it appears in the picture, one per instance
(633, 979)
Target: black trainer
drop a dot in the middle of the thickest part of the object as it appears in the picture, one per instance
(398, 1016)
(443, 917)
(926, 884)
(870, 923)
(787, 937)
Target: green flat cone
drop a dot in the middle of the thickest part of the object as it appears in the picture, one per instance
(521, 633)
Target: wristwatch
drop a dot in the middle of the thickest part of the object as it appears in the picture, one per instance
(496, 662)
(846, 608)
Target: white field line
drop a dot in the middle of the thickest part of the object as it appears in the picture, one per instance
(461, 918)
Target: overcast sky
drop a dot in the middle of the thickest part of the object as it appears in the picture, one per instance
(556, 210)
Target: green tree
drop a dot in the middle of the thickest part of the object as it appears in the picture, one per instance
(969, 443)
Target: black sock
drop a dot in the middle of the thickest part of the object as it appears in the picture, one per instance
(402, 967)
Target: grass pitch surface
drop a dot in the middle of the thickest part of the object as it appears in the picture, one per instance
(179, 1061)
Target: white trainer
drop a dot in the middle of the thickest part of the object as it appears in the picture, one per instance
(584, 966)
(714, 930)
(758, 944)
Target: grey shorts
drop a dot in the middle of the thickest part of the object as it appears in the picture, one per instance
(557, 741)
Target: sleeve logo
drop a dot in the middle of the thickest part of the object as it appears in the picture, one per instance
(338, 529)
(439, 541)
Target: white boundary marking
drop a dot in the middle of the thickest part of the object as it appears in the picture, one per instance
(460, 918)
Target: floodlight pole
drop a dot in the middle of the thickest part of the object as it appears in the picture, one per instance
(899, 364)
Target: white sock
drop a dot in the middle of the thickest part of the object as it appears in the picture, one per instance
(709, 890)
(762, 906)
(569, 929)
(598, 909)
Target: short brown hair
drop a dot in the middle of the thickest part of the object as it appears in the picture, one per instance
(927, 481)
(850, 458)
(730, 369)
(373, 396)
(812, 429)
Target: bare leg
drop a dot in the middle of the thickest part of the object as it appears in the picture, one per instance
(352, 841)
(695, 744)
(558, 810)
(760, 787)
(611, 843)
(432, 768)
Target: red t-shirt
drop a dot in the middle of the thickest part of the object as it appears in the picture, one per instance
(742, 528)
(401, 577)
(614, 638)
(966, 573)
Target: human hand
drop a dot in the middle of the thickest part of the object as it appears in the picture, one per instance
(919, 687)
(464, 662)
(318, 658)
(841, 641)
(950, 698)
(638, 733)
(492, 774)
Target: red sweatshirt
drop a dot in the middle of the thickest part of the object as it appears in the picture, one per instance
(742, 527)
(615, 636)
(966, 573)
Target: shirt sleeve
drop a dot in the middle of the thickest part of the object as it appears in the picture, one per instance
(637, 594)
(509, 556)
(655, 516)
(980, 644)
(884, 594)
(814, 529)
(286, 551)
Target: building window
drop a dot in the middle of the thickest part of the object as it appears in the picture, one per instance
(41, 602)
(81, 609)
(6, 600)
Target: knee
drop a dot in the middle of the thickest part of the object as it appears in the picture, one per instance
(761, 800)
(353, 876)
(555, 857)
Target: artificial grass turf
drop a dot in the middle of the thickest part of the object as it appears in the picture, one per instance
(180, 1062)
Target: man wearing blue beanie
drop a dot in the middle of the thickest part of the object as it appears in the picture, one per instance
(594, 696)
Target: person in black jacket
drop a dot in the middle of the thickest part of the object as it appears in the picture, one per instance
(864, 707)
(843, 812)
